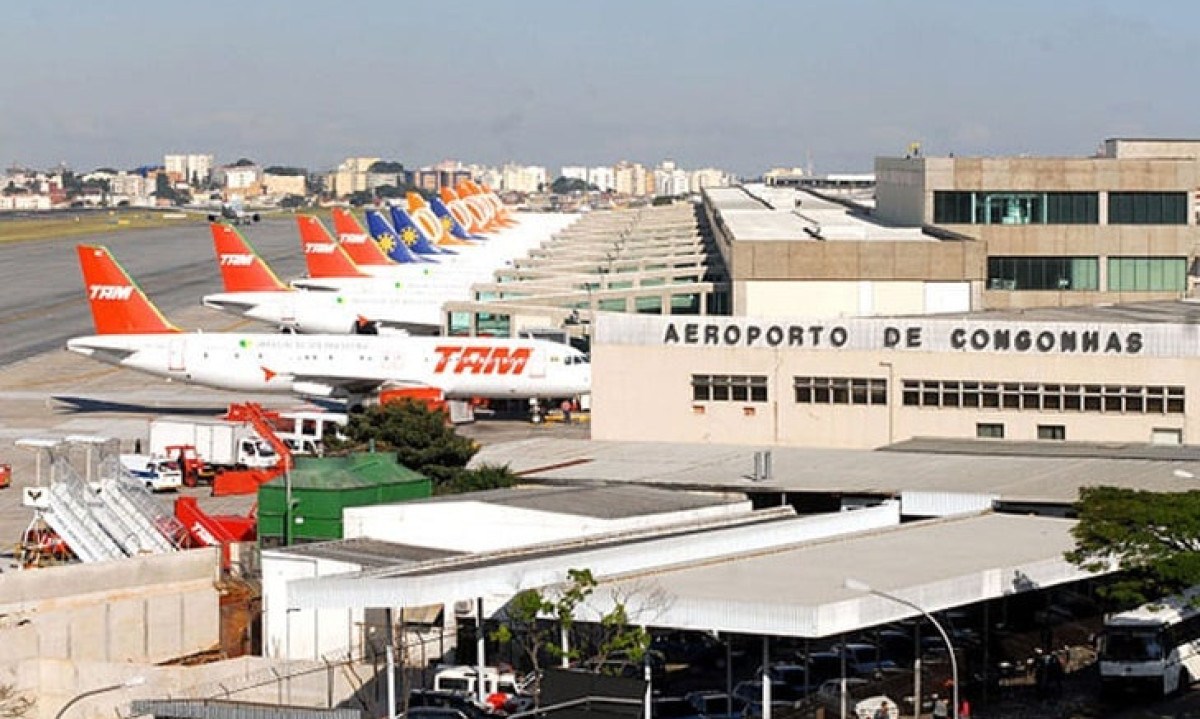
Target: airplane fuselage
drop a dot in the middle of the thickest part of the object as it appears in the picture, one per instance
(342, 366)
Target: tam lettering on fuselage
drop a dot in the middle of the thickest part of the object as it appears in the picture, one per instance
(110, 292)
(481, 360)
(237, 260)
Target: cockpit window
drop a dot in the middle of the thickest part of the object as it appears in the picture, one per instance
(576, 359)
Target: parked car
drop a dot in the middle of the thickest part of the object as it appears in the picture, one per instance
(782, 696)
(863, 659)
(717, 705)
(425, 698)
(859, 698)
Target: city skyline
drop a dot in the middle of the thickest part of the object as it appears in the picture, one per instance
(738, 87)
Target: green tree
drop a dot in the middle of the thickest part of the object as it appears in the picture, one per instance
(284, 171)
(360, 197)
(387, 167)
(424, 442)
(1153, 537)
(244, 162)
(569, 185)
(525, 615)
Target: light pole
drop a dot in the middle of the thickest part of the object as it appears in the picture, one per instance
(131, 682)
(860, 586)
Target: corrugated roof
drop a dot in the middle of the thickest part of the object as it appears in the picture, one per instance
(846, 471)
(599, 501)
(367, 553)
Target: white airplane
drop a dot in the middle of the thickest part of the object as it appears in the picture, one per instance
(132, 333)
(331, 267)
(252, 290)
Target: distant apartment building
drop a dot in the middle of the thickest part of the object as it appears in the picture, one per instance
(523, 178)
(708, 177)
(489, 176)
(602, 178)
(192, 169)
(444, 174)
(631, 178)
(350, 176)
(130, 185)
(24, 201)
(1117, 227)
(670, 181)
(283, 185)
(574, 172)
(240, 180)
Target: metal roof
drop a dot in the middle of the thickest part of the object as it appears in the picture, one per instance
(598, 501)
(504, 573)
(800, 590)
(1182, 312)
(761, 213)
(842, 471)
(365, 552)
(785, 577)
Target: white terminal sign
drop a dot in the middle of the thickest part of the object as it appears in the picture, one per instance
(934, 336)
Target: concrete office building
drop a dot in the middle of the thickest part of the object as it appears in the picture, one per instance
(1117, 227)
(790, 252)
(1119, 374)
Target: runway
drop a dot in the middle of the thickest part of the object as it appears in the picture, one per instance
(43, 301)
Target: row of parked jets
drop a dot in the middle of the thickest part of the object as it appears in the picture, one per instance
(363, 321)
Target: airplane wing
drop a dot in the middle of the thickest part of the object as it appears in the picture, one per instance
(329, 385)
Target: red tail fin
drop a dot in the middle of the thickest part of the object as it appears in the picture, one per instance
(345, 223)
(242, 270)
(119, 307)
(361, 247)
(324, 256)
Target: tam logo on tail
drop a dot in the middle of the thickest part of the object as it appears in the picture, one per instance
(237, 260)
(110, 292)
(314, 248)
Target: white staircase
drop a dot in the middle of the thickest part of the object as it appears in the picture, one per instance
(110, 518)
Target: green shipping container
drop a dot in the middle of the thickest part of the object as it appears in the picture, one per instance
(323, 486)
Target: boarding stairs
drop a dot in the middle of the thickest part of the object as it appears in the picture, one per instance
(68, 514)
(111, 518)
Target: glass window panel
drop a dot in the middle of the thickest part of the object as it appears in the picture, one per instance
(648, 305)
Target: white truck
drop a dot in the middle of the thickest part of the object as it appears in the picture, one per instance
(220, 443)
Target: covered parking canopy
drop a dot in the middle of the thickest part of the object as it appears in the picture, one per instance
(783, 577)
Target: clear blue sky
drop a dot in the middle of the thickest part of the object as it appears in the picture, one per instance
(739, 85)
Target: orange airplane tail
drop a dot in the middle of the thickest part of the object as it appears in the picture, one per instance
(119, 307)
(322, 254)
(242, 270)
(357, 243)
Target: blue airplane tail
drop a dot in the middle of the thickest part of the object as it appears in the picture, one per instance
(388, 238)
(443, 213)
(412, 235)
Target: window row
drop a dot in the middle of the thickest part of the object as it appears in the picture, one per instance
(1125, 274)
(840, 390)
(1038, 396)
(1016, 208)
(1058, 208)
(729, 388)
(995, 430)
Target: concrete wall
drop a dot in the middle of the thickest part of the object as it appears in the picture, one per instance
(143, 609)
(835, 298)
(313, 684)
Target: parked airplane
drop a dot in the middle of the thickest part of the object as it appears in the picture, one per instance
(132, 333)
(253, 290)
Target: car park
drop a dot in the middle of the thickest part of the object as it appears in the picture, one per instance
(860, 698)
(863, 659)
(717, 705)
(782, 696)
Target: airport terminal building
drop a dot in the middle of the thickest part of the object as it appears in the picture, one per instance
(1118, 374)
